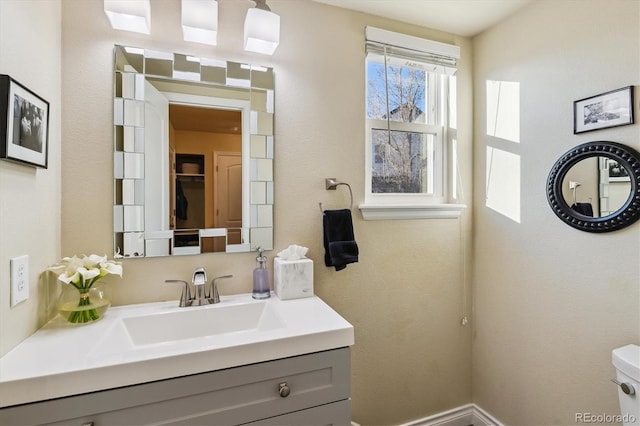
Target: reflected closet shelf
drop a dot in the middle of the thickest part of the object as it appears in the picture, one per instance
(188, 177)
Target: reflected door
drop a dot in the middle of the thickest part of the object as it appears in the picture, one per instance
(228, 194)
(156, 179)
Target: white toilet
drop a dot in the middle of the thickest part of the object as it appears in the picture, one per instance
(627, 362)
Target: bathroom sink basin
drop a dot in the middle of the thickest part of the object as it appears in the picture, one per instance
(189, 323)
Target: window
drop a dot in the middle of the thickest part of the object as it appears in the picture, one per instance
(408, 148)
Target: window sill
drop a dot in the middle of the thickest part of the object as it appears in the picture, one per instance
(409, 211)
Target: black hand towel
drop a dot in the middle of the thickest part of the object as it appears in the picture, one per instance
(339, 242)
(583, 208)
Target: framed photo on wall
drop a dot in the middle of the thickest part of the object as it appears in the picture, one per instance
(24, 124)
(610, 109)
(617, 173)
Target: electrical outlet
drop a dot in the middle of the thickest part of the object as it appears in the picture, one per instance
(19, 279)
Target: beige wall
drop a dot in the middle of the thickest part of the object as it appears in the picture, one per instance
(29, 197)
(404, 297)
(192, 141)
(551, 302)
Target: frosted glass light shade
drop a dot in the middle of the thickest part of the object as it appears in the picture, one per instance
(261, 31)
(129, 15)
(200, 21)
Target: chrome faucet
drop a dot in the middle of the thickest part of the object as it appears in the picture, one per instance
(201, 296)
(199, 282)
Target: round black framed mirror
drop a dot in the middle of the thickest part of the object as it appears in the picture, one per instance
(585, 182)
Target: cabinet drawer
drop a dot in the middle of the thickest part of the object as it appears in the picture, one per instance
(231, 396)
(335, 414)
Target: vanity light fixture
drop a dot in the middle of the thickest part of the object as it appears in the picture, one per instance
(129, 15)
(200, 21)
(261, 29)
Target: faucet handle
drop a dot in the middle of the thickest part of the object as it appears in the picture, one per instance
(215, 296)
(185, 297)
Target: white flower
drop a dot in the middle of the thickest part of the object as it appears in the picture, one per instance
(69, 278)
(111, 268)
(88, 274)
(93, 261)
(72, 264)
(83, 272)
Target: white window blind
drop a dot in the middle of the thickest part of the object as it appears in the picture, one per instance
(442, 57)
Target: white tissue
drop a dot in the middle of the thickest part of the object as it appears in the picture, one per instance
(293, 252)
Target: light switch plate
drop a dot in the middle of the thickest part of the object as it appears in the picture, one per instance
(19, 279)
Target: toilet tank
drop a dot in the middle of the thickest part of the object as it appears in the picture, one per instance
(626, 360)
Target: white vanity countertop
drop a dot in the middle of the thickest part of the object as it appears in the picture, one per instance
(61, 360)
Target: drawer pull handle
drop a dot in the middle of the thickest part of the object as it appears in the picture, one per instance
(284, 389)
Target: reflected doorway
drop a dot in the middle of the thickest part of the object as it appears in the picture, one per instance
(205, 147)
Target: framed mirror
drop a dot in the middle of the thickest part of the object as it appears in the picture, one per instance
(193, 154)
(595, 187)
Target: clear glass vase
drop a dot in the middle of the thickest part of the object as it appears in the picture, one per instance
(83, 306)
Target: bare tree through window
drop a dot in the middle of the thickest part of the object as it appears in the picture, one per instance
(400, 159)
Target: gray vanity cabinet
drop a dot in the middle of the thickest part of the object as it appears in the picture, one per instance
(312, 389)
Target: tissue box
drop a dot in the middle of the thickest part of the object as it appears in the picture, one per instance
(293, 279)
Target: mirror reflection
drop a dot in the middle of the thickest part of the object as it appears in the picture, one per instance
(596, 187)
(205, 175)
(193, 160)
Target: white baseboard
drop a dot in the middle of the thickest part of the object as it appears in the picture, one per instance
(465, 415)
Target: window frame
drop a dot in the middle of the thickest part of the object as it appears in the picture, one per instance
(378, 206)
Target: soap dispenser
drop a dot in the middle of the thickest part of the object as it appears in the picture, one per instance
(261, 288)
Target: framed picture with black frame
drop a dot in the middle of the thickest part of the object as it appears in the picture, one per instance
(610, 109)
(617, 173)
(24, 124)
